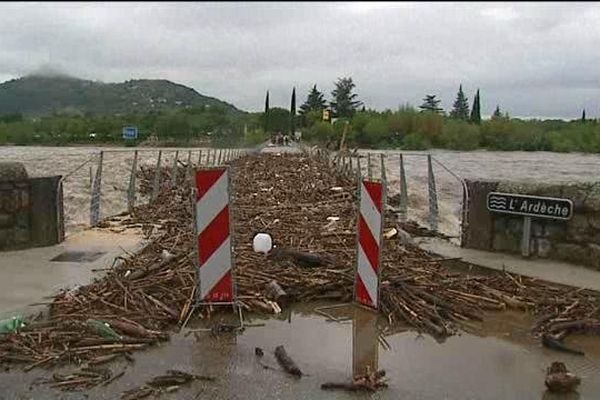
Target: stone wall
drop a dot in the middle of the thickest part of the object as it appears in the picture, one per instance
(576, 240)
(31, 211)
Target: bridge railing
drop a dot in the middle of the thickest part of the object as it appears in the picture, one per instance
(420, 187)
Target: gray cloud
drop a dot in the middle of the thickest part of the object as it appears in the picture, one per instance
(534, 59)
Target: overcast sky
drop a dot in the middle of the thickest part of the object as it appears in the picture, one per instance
(534, 59)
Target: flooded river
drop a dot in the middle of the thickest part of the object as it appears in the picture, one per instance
(499, 361)
(79, 163)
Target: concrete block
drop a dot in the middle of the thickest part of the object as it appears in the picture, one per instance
(478, 230)
(578, 228)
(543, 247)
(514, 226)
(572, 252)
(506, 242)
(6, 220)
(6, 238)
(594, 255)
(555, 230)
(537, 228)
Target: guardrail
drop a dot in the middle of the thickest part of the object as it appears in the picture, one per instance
(415, 195)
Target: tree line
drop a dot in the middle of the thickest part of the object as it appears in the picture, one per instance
(429, 126)
(423, 127)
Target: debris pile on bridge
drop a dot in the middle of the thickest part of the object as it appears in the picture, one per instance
(306, 207)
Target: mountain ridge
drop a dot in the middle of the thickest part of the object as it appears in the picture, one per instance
(39, 95)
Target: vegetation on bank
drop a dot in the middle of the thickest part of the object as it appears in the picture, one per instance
(429, 126)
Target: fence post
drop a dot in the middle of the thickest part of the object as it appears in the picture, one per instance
(383, 172)
(358, 169)
(174, 172)
(157, 176)
(200, 157)
(131, 190)
(403, 191)
(214, 160)
(188, 167)
(369, 170)
(433, 206)
(96, 194)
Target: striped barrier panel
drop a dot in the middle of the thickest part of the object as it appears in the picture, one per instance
(370, 229)
(214, 237)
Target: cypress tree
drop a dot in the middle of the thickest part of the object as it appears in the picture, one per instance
(460, 108)
(267, 113)
(293, 113)
(583, 116)
(476, 110)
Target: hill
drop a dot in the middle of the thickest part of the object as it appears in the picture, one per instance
(44, 95)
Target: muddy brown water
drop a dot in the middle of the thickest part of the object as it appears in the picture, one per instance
(500, 361)
(509, 165)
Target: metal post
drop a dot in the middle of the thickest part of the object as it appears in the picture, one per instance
(200, 157)
(369, 170)
(403, 191)
(188, 168)
(358, 169)
(157, 176)
(131, 190)
(433, 206)
(383, 173)
(96, 193)
(526, 240)
(174, 172)
(214, 159)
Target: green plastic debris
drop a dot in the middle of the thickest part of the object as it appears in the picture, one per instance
(11, 325)
(103, 329)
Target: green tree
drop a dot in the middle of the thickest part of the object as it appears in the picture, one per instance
(497, 113)
(431, 104)
(315, 101)
(266, 115)
(279, 119)
(460, 108)
(583, 116)
(476, 110)
(344, 103)
(293, 113)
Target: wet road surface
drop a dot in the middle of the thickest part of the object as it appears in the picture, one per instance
(500, 361)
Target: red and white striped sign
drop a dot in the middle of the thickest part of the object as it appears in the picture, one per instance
(214, 240)
(366, 285)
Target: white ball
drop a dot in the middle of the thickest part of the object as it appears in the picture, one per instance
(262, 243)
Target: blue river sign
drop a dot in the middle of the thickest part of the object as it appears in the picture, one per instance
(130, 132)
(530, 206)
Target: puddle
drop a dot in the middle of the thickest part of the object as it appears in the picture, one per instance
(501, 361)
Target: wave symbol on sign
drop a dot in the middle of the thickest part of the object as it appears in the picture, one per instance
(497, 202)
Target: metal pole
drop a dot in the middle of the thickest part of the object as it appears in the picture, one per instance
(358, 169)
(174, 172)
(433, 206)
(96, 194)
(383, 173)
(157, 176)
(526, 240)
(403, 191)
(131, 191)
(200, 157)
(214, 159)
(188, 168)
(369, 171)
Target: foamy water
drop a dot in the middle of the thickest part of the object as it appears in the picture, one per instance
(521, 166)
